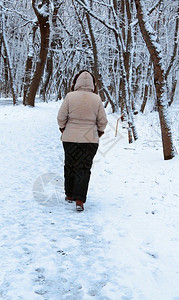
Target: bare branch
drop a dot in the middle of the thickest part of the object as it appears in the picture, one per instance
(91, 13)
(154, 7)
(81, 24)
(21, 14)
(174, 48)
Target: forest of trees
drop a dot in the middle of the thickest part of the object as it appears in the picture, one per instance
(129, 45)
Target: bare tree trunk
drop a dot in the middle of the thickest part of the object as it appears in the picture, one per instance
(159, 76)
(54, 43)
(1, 30)
(109, 100)
(122, 101)
(6, 87)
(48, 74)
(134, 74)
(123, 19)
(145, 97)
(127, 73)
(28, 67)
(95, 55)
(9, 63)
(42, 13)
(174, 48)
(126, 59)
(130, 138)
(146, 89)
(136, 81)
(174, 84)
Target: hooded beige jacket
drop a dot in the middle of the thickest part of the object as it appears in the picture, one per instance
(82, 113)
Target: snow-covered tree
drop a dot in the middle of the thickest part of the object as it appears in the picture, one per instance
(154, 49)
(41, 9)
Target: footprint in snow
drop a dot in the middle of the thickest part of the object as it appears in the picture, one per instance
(98, 285)
(107, 171)
(40, 292)
(40, 277)
(40, 280)
(127, 294)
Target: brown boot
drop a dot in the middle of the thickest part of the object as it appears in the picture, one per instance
(79, 205)
(69, 199)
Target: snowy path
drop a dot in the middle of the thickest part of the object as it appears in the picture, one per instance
(123, 246)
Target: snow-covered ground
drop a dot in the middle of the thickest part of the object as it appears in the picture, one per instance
(124, 246)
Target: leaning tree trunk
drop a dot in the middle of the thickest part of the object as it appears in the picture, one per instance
(159, 78)
(42, 13)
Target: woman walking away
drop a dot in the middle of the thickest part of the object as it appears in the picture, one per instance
(82, 120)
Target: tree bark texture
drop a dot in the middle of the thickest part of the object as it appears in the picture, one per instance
(43, 20)
(159, 76)
(146, 89)
(48, 74)
(9, 62)
(95, 55)
(174, 85)
(54, 44)
(29, 63)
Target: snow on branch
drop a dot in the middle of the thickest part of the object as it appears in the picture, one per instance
(41, 8)
(149, 12)
(174, 48)
(13, 10)
(149, 32)
(154, 7)
(102, 3)
(65, 28)
(91, 13)
(117, 26)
